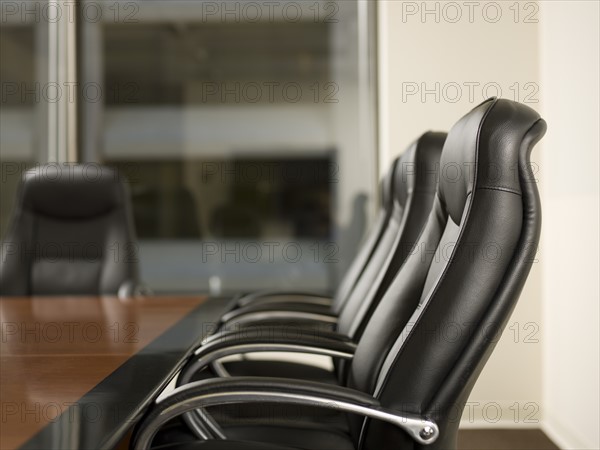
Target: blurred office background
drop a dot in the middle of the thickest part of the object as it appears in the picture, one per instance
(199, 150)
(246, 130)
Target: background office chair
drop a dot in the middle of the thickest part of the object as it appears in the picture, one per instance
(408, 384)
(71, 233)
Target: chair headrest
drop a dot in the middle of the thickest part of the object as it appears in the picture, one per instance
(71, 191)
(418, 167)
(479, 148)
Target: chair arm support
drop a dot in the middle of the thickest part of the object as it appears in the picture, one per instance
(301, 299)
(213, 392)
(271, 307)
(132, 288)
(297, 296)
(266, 339)
(275, 333)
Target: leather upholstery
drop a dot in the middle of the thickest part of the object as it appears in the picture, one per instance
(456, 292)
(313, 437)
(71, 233)
(415, 183)
(223, 445)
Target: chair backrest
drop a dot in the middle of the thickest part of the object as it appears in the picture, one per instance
(414, 184)
(438, 323)
(71, 233)
(360, 261)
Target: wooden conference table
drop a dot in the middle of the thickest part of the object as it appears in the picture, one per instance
(78, 372)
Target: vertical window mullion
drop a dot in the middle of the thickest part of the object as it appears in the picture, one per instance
(52, 80)
(71, 55)
(62, 82)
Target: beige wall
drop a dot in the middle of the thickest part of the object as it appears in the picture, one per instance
(569, 163)
(551, 49)
(478, 52)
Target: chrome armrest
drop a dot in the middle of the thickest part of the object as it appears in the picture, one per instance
(273, 333)
(244, 318)
(130, 289)
(266, 339)
(275, 305)
(302, 299)
(194, 398)
(277, 296)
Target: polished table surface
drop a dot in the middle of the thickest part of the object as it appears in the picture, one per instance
(77, 372)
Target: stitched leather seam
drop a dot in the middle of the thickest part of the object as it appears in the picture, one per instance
(501, 188)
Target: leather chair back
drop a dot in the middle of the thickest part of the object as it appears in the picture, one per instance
(414, 184)
(435, 328)
(71, 233)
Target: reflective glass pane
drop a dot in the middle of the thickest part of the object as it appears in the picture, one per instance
(246, 131)
(24, 91)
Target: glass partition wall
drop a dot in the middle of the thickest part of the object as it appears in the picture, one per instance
(246, 131)
(23, 106)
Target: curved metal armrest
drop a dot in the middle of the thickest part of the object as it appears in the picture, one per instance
(258, 318)
(274, 333)
(278, 297)
(131, 288)
(279, 311)
(266, 339)
(207, 393)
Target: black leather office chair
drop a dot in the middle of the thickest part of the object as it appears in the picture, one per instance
(408, 379)
(71, 233)
(412, 182)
